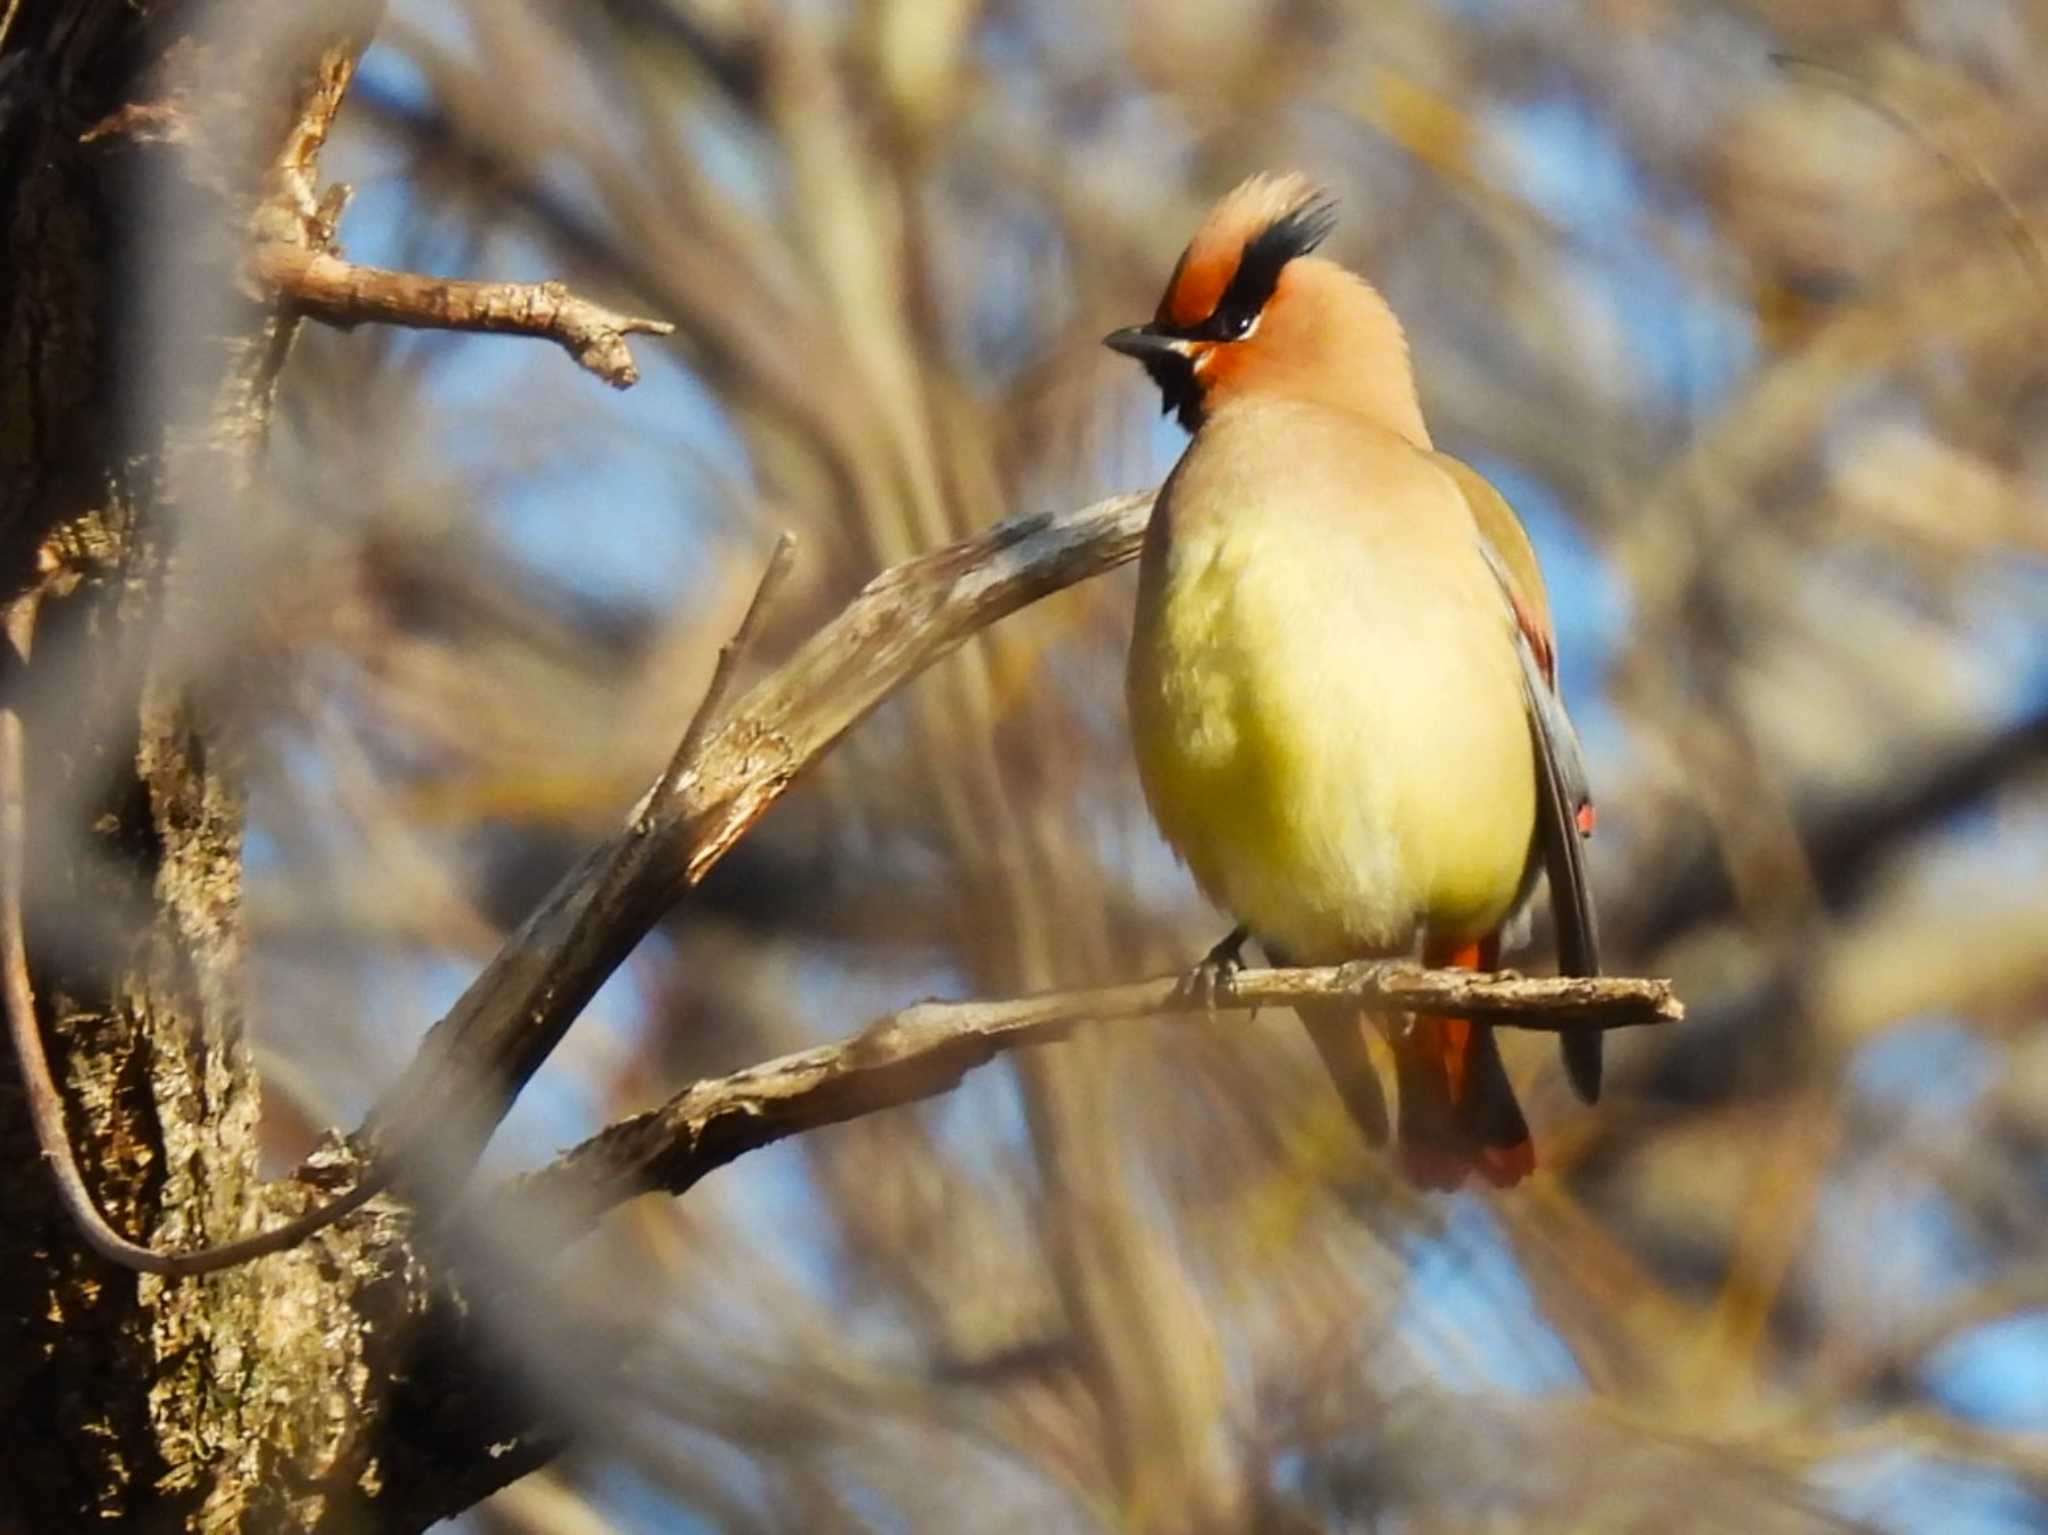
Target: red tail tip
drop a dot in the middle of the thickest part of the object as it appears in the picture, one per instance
(1506, 1166)
(1442, 1171)
(1427, 1167)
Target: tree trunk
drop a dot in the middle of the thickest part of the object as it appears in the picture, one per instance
(259, 1398)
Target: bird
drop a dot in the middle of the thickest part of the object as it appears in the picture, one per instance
(1342, 681)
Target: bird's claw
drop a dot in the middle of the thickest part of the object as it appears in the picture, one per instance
(1212, 975)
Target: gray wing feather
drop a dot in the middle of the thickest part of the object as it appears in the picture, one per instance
(1562, 793)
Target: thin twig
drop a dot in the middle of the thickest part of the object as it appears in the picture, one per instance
(344, 294)
(295, 172)
(924, 1050)
(730, 654)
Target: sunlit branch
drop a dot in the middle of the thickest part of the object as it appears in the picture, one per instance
(924, 1051)
(476, 1060)
(344, 294)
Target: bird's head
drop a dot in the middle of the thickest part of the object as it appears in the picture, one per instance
(1251, 311)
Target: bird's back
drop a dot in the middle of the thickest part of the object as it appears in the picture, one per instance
(1338, 752)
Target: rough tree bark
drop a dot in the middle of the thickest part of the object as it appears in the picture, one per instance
(258, 1398)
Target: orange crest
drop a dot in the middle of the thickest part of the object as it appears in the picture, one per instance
(1212, 257)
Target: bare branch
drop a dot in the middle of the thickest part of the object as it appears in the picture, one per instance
(924, 1051)
(333, 42)
(476, 1060)
(343, 294)
(729, 656)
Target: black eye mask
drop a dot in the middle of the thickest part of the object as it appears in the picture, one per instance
(1266, 254)
(1251, 287)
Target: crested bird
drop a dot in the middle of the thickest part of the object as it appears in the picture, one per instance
(1342, 683)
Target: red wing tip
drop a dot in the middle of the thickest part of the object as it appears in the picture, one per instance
(1587, 819)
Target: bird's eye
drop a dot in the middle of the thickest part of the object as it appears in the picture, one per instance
(1238, 323)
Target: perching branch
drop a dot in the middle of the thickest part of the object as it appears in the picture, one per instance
(475, 1061)
(926, 1049)
(343, 294)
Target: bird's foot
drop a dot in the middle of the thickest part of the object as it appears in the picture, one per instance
(1212, 975)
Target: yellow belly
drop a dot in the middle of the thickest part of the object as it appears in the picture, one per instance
(1327, 736)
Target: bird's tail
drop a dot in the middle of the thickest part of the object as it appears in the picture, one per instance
(1458, 1109)
(1339, 1035)
(1338, 1031)
(1459, 1112)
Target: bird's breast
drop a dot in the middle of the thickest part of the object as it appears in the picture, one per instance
(1328, 730)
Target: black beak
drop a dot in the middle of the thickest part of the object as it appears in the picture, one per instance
(1146, 343)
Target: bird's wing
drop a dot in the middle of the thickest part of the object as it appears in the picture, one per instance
(1564, 802)
(1513, 556)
